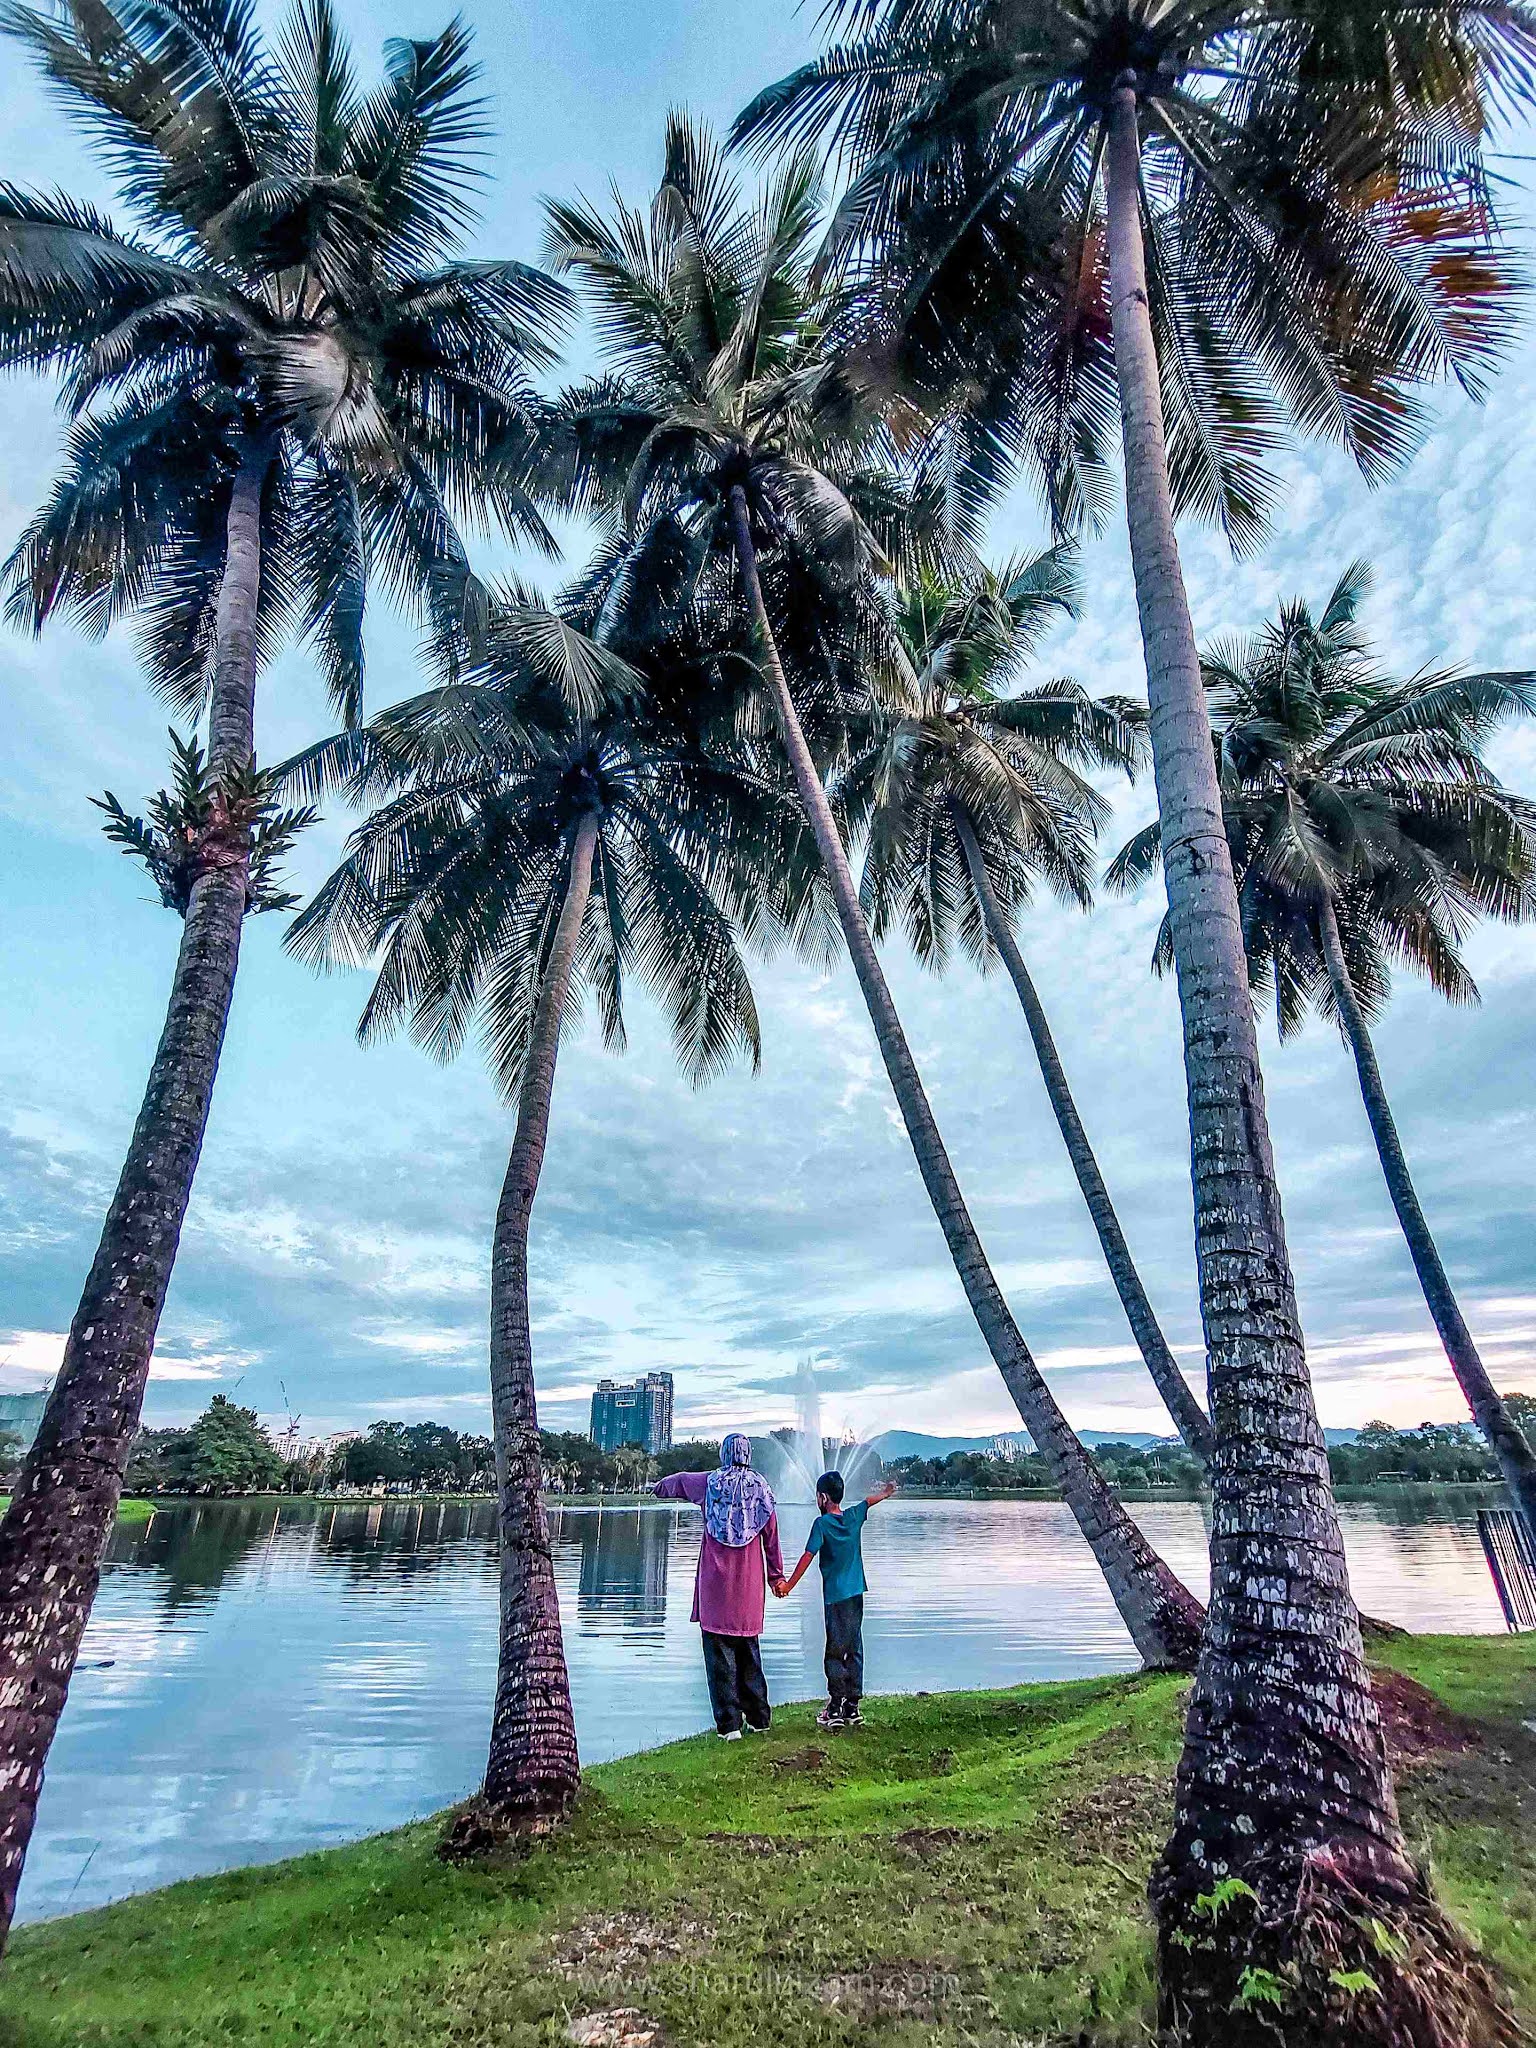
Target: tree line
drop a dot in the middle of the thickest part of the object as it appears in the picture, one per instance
(227, 1450)
(788, 702)
(1443, 1453)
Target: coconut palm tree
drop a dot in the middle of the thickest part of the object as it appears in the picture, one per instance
(542, 834)
(1217, 221)
(1365, 828)
(282, 382)
(977, 793)
(722, 431)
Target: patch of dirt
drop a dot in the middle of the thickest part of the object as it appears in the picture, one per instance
(808, 1759)
(624, 2027)
(1116, 1817)
(1416, 1724)
(893, 1990)
(1488, 1788)
(925, 1842)
(1110, 1743)
(759, 1845)
(623, 1945)
(942, 1762)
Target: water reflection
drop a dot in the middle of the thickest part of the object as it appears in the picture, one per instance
(262, 1679)
(623, 1566)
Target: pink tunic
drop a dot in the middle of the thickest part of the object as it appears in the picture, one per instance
(729, 1585)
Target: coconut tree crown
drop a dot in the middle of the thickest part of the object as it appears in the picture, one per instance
(290, 286)
(978, 757)
(721, 377)
(1319, 237)
(1339, 780)
(453, 885)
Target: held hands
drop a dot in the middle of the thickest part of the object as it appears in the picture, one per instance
(781, 1589)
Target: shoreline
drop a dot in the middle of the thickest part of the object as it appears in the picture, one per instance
(969, 1863)
(139, 1509)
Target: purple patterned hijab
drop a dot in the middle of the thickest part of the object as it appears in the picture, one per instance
(738, 1502)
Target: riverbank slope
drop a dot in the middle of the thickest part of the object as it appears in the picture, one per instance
(969, 1867)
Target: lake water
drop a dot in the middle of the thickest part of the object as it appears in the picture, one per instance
(259, 1680)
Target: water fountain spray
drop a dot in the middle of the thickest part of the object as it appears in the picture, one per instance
(793, 1460)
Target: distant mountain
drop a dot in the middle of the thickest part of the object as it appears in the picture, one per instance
(907, 1443)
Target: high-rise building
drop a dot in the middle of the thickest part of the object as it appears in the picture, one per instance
(22, 1413)
(639, 1413)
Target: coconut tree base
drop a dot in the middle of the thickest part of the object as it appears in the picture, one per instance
(1333, 1956)
(488, 1830)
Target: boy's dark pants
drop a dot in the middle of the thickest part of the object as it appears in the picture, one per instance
(737, 1686)
(845, 1651)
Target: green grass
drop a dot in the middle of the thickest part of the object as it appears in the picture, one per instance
(968, 1869)
(127, 1510)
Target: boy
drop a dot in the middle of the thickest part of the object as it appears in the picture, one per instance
(837, 1537)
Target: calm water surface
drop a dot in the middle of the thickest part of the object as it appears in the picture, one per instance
(257, 1681)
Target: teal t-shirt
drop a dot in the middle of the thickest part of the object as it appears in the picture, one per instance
(836, 1539)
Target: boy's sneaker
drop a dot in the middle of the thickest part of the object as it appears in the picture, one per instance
(852, 1718)
(831, 1716)
(729, 1734)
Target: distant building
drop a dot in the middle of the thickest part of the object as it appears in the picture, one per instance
(22, 1413)
(1012, 1450)
(640, 1413)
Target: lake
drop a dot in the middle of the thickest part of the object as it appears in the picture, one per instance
(260, 1679)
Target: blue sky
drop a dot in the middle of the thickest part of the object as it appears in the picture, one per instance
(336, 1246)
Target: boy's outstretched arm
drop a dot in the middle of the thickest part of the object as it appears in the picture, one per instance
(786, 1586)
(881, 1492)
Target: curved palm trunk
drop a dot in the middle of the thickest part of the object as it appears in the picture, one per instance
(1163, 1617)
(1284, 1780)
(1189, 1417)
(532, 1771)
(1506, 1439)
(51, 1540)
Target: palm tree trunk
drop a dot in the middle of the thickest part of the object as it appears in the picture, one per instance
(532, 1772)
(1189, 1417)
(1163, 1617)
(1506, 1439)
(1284, 1780)
(52, 1538)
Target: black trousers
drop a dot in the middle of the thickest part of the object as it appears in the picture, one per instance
(737, 1686)
(845, 1651)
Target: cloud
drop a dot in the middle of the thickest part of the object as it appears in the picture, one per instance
(37, 1355)
(34, 1354)
(162, 1368)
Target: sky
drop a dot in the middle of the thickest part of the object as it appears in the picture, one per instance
(334, 1262)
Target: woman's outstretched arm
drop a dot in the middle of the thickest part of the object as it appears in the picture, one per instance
(688, 1486)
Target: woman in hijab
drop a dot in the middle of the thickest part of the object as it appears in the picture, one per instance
(739, 1557)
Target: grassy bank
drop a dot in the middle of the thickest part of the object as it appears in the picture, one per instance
(127, 1510)
(968, 1869)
